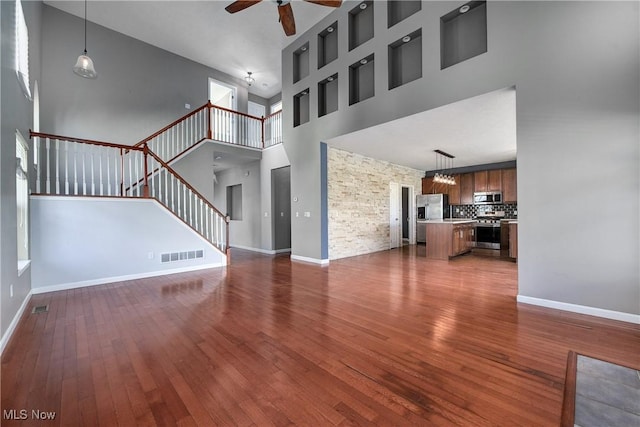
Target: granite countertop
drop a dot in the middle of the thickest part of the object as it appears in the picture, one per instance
(451, 221)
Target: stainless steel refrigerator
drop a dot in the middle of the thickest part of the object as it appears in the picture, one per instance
(429, 207)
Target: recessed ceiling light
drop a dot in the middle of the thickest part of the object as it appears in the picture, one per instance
(304, 92)
(265, 85)
(330, 30)
(218, 157)
(364, 61)
(464, 8)
(406, 39)
(363, 6)
(330, 78)
(303, 48)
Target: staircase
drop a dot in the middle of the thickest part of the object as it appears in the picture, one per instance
(67, 166)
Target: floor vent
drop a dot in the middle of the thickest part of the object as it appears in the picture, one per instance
(40, 309)
(181, 256)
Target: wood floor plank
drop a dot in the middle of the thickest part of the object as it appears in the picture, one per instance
(383, 339)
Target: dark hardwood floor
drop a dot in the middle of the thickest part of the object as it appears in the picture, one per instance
(389, 338)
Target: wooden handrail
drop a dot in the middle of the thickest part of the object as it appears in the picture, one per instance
(235, 112)
(83, 141)
(272, 114)
(170, 125)
(186, 184)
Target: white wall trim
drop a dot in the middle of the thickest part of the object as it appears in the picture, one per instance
(582, 309)
(14, 323)
(105, 280)
(262, 251)
(311, 260)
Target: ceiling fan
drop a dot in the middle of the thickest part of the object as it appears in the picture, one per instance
(285, 12)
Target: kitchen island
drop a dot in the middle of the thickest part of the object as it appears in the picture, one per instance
(447, 238)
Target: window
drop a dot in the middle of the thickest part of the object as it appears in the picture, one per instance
(22, 201)
(22, 50)
(234, 202)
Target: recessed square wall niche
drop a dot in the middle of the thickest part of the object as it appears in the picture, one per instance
(399, 10)
(301, 63)
(463, 33)
(360, 24)
(328, 95)
(405, 59)
(328, 45)
(361, 80)
(301, 108)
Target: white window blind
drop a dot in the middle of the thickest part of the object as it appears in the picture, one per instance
(22, 50)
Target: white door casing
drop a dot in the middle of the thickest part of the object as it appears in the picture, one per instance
(394, 215)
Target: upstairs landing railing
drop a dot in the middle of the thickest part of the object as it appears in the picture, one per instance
(218, 124)
(78, 167)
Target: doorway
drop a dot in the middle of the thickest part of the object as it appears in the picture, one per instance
(223, 95)
(401, 215)
(405, 215)
(281, 208)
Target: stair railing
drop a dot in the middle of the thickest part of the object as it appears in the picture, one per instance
(69, 166)
(272, 129)
(177, 195)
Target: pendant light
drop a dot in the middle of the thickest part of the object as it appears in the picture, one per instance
(84, 65)
(444, 161)
(249, 79)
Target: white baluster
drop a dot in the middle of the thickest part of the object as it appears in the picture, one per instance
(36, 142)
(93, 177)
(57, 167)
(48, 187)
(84, 181)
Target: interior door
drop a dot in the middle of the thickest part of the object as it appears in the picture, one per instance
(281, 207)
(394, 215)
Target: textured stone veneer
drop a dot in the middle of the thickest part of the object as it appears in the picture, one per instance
(358, 199)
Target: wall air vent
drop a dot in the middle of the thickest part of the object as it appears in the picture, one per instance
(181, 256)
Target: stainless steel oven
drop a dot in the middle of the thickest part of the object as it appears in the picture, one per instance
(488, 234)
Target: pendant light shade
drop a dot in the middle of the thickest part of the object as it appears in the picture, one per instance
(84, 65)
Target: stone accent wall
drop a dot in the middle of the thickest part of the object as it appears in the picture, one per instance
(358, 201)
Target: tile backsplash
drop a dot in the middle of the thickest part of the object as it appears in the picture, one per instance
(471, 211)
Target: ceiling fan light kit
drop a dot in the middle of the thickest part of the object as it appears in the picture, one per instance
(285, 12)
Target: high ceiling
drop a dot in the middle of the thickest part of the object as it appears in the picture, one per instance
(250, 40)
(476, 131)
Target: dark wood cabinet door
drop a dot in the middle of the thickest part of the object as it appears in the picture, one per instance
(427, 185)
(454, 191)
(480, 180)
(509, 186)
(466, 189)
(494, 181)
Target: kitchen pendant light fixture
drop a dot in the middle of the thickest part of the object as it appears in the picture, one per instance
(444, 161)
(84, 65)
(250, 80)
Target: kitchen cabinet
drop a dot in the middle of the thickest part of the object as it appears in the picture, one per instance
(449, 239)
(466, 188)
(427, 185)
(454, 191)
(513, 240)
(490, 180)
(509, 186)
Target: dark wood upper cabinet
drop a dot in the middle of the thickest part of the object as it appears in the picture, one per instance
(509, 186)
(480, 180)
(454, 191)
(494, 181)
(466, 188)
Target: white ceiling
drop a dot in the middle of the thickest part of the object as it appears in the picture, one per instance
(476, 131)
(249, 40)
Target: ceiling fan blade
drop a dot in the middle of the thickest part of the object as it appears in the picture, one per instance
(286, 19)
(239, 5)
(330, 3)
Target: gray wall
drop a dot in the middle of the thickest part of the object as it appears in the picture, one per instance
(272, 158)
(79, 241)
(576, 69)
(243, 233)
(140, 88)
(16, 114)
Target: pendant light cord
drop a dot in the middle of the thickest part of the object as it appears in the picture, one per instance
(85, 27)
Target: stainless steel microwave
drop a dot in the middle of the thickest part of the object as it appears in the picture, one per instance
(487, 198)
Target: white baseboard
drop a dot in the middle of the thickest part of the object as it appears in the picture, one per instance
(104, 281)
(14, 323)
(262, 251)
(311, 260)
(582, 309)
